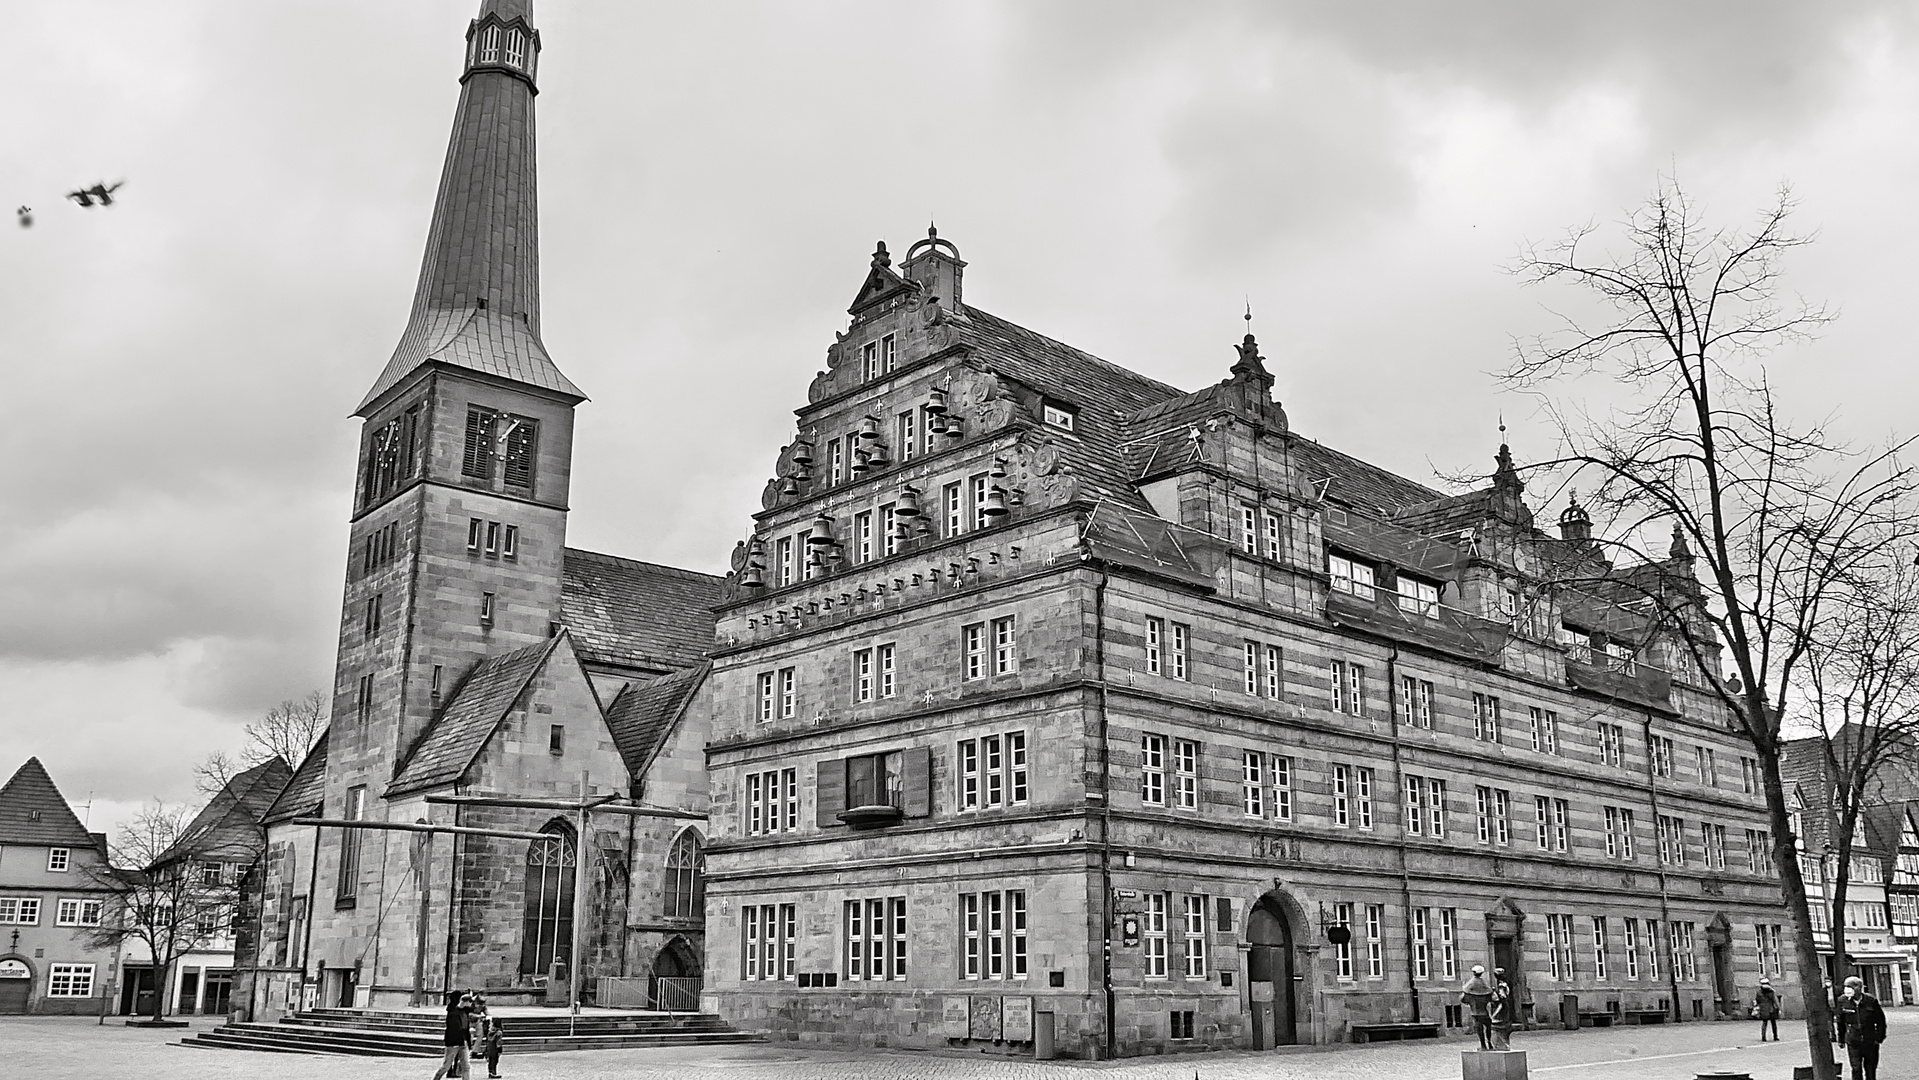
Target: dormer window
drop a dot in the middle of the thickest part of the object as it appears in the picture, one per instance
(490, 46)
(1418, 597)
(1059, 416)
(515, 49)
(1620, 658)
(1353, 578)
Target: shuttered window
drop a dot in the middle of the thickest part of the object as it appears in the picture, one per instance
(522, 440)
(477, 462)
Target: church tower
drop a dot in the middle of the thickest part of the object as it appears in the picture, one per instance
(459, 505)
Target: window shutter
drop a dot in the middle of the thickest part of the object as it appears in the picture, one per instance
(829, 791)
(478, 460)
(520, 444)
(917, 783)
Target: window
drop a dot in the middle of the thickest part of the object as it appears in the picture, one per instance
(1713, 839)
(973, 646)
(1545, 730)
(1418, 597)
(1416, 701)
(763, 710)
(522, 438)
(954, 513)
(1179, 1024)
(1185, 774)
(364, 701)
(1343, 954)
(19, 911)
(873, 780)
(1152, 770)
(770, 932)
(1252, 783)
(1759, 852)
(1342, 796)
(1422, 944)
(59, 860)
(1483, 813)
(1352, 796)
(78, 912)
(392, 456)
(863, 536)
(907, 426)
(1771, 952)
(1252, 667)
(1599, 946)
(1349, 688)
(1661, 749)
(1485, 718)
(556, 739)
(884, 655)
(1619, 829)
(510, 542)
(1551, 815)
(1153, 936)
(1181, 634)
(789, 696)
(1058, 416)
(477, 461)
(1282, 770)
(772, 802)
(1749, 775)
(993, 934)
(210, 874)
(875, 939)
(1274, 546)
(992, 771)
(862, 674)
(1353, 578)
(685, 883)
(475, 528)
(1415, 805)
(490, 45)
(1672, 840)
(889, 529)
(70, 980)
(486, 609)
(835, 461)
(1249, 529)
(1620, 658)
(1435, 807)
(976, 491)
(1271, 672)
(1707, 764)
(1685, 963)
(1612, 742)
(1005, 647)
(1375, 941)
(1195, 925)
(492, 547)
(1155, 643)
(783, 559)
(1559, 946)
(1630, 946)
(1652, 949)
(349, 883)
(1449, 943)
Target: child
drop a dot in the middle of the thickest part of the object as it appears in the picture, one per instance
(492, 1038)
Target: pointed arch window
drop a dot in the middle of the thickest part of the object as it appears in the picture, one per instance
(490, 45)
(515, 49)
(685, 877)
(547, 934)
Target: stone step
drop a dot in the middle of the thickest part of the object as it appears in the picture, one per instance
(407, 1035)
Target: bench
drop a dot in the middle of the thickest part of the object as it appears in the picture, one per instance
(1596, 1018)
(1392, 1032)
(1644, 1016)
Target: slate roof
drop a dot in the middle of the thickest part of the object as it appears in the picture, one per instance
(32, 811)
(305, 794)
(232, 820)
(1356, 483)
(456, 737)
(636, 614)
(643, 713)
(1148, 542)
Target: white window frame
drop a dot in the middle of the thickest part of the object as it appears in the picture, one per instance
(1281, 768)
(59, 860)
(1185, 774)
(789, 693)
(1152, 770)
(863, 674)
(973, 651)
(1152, 947)
(70, 980)
(1005, 645)
(1252, 783)
(1195, 936)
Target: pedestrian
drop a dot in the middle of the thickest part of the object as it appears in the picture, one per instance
(1862, 1026)
(454, 1040)
(1478, 997)
(492, 1041)
(1765, 1006)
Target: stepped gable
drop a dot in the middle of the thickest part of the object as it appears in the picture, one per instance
(456, 737)
(637, 614)
(242, 803)
(305, 794)
(643, 713)
(477, 303)
(32, 811)
(1104, 394)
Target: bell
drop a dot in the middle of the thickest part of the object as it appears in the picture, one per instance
(909, 503)
(925, 527)
(936, 402)
(995, 502)
(756, 551)
(789, 487)
(999, 469)
(870, 429)
(876, 458)
(955, 428)
(936, 423)
(822, 534)
(751, 578)
(802, 453)
(814, 561)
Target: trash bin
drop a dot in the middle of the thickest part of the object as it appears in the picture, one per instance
(1043, 1036)
(1569, 1011)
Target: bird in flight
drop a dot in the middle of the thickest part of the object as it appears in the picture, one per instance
(99, 194)
(26, 217)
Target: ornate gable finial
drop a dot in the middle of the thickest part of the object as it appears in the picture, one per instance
(1505, 476)
(1680, 549)
(1251, 367)
(881, 260)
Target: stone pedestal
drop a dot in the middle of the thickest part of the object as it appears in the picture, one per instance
(1492, 1065)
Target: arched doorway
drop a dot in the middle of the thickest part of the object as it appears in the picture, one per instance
(676, 976)
(547, 933)
(16, 985)
(1269, 974)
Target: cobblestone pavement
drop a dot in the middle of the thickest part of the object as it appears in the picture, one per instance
(53, 1048)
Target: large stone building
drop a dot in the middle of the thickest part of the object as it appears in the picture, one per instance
(1048, 696)
(479, 656)
(56, 890)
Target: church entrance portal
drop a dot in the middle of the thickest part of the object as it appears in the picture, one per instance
(1269, 974)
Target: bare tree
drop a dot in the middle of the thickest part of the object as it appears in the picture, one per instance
(1862, 692)
(1779, 518)
(178, 891)
(287, 731)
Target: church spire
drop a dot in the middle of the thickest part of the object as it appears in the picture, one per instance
(477, 304)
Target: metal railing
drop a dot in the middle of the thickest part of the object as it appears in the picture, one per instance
(676, 994)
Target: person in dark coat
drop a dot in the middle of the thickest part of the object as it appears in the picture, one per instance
(1862, 1027)
(1478, 997)
(1765, 1006)
(455, 1039)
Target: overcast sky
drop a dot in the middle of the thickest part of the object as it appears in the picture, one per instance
(178, 370)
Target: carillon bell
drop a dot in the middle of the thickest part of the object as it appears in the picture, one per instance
(876, 457)
(955, 428)
(909, 503)
(859, 465)
(995, 502)
(999, 469)
(756, 551)
(822, 534)
(789, 487)
(752, 578)
(935, 422)
(802, 453)
(814, 559)
(870, 428)
(936, 401)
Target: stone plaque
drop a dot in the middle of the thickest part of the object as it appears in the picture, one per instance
(986, 1017)
(956, 1016)
(1016, 1019)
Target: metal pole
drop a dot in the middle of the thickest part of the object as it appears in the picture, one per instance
(579, 908)
(529, 804)
(402, 826)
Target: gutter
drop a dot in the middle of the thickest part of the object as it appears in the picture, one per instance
(1105, 817)
(1399, 781)
(1665, 908)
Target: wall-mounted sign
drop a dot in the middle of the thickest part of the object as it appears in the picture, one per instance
(14, 969)
(1129, 930)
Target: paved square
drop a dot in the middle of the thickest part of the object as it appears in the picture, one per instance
(48, 1048)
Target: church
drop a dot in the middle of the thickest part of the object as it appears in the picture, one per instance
(1045, 708)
